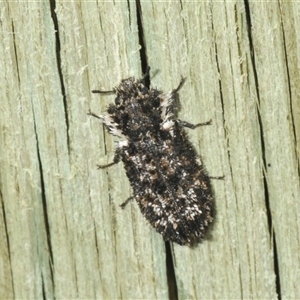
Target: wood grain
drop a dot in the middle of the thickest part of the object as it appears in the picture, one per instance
(62, 232)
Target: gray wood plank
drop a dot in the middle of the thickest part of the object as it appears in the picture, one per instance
(63, 234)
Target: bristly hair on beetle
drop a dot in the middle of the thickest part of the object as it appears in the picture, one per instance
(168, 180)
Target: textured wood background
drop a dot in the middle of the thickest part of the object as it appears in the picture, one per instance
(62, 233)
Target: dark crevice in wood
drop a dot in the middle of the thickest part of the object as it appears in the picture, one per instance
(172, 284)
(276, 267)
(264, 159)
(43, 289)
(129, 13)
(7, 241)
(59, 68)
(44, 207)
(143, 49)
(15, 51)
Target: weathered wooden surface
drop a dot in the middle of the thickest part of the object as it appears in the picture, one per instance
(63, 234)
